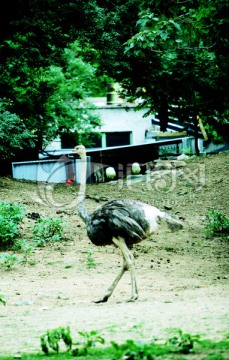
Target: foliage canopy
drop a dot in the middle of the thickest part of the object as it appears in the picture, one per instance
(54, 54)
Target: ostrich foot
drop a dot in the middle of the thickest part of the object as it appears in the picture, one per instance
(132, 298)
(102, 300)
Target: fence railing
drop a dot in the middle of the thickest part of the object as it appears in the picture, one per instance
(52, 171)
(64, 164)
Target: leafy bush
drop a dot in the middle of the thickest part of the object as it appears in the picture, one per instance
(24, 247)
(183, 342)
(11, 215)
(180, 343)
(216, 224)
(51, 341)
(136, 351)
(47, 229)
(91, 338)
(9, 260)
(11, 124)
(179, 346)
(52, 338)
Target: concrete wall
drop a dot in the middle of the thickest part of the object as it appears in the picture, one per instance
(119, 119)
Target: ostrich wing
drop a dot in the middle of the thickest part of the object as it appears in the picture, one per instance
(117, 219)
(125, 226)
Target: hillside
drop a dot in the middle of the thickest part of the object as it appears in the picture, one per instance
(182, 277)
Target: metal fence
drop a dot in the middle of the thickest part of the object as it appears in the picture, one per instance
(51, 171)
(63, 168)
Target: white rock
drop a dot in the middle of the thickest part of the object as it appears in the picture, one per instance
(182, 157)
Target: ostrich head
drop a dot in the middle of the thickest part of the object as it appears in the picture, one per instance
(79, 149)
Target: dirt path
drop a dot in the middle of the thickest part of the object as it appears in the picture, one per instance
(182, 277)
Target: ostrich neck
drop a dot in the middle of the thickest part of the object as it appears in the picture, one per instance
(83, 177)
(81, 196)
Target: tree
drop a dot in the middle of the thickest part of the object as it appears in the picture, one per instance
(43, 74)
(183, 63)
(175, 58)
(51, 98)
(11, 124)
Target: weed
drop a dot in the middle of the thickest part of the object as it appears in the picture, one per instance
(182, 342)
(2, 299)
(24, 247)
(9, 260)
(90, 260)
(11, 215)
(216, 224)
(52, 338)
(179, 346)
(188, 151)
(170, 249)
(91, 338)
(163, 151)
(134, 351)
(47, 230)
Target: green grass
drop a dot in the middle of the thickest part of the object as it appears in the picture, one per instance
(204, 350)
(216, 224)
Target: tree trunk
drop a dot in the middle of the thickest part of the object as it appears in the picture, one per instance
(163, 116)
(197, 151)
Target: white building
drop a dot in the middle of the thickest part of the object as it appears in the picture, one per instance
(121, 123)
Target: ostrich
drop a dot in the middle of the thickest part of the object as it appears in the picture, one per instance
(120, 222)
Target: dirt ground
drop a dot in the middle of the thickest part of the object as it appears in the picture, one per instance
(182, 277)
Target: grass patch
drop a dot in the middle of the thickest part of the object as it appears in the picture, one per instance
(217, 224)
(172, 349)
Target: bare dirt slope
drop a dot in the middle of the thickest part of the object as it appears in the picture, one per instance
(182, 277)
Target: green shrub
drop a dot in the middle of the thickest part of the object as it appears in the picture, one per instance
(11, 215)
(47, 230)
(24, 247)
(183, 342)
(216, 224)
(179, 346)
(9, 260)
(51, 339)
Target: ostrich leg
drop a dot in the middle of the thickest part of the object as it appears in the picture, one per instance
(128, 264)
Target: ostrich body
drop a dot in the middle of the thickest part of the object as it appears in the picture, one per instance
(120, 222)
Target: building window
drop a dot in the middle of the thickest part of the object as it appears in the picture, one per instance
(118, 138)
(70, 140)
